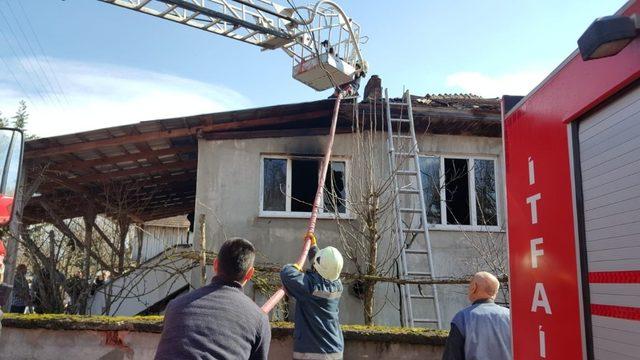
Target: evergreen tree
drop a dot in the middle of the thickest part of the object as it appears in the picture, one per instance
(21, 116)
(20, 120)
(3, 121)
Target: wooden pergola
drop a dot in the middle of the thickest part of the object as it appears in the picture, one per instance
(148, 168)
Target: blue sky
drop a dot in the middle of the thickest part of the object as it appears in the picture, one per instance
(102, 65)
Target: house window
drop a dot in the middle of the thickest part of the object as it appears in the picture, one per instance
(459, 191)
(430, 170)
(485, 186)
(275, 183)
(289, 186)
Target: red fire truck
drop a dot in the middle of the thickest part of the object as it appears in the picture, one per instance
(572, 157)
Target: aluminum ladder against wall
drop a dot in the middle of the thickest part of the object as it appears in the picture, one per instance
(420, 305)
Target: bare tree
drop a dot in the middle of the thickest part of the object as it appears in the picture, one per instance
(367, 240)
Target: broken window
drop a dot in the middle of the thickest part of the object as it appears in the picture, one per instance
(457, 191)
(304, 183)
(430, 172)
(468, 200)
(334, 188)
(290, 185)
(485, 184)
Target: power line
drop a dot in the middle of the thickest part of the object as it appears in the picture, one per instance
(55, 77)
(36, 64)
(23, 69)
(18, 82)
(35, 57)
(39, 84)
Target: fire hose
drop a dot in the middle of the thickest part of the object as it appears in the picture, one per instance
(278, 295)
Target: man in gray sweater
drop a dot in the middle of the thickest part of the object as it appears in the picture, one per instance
(218, 321)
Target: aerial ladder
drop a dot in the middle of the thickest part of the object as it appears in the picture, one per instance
(322, 41)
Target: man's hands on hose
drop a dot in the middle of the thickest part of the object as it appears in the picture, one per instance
(314, 242)
(311, 236)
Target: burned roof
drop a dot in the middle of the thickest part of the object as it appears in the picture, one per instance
(148, 169)
(373, 92)
(458, 101)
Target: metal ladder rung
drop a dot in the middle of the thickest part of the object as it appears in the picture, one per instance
(405, 154)
(406, 172)
(400, 120)
(425, 320)
(398, 104)
(191, 17)
(418, 273)
(408, 210)
(413, 251)
(417, 231)
(403, 136)
(417, 296)
(409, 191)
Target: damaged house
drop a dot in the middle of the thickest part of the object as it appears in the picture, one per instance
(260, 183)
(253, 173)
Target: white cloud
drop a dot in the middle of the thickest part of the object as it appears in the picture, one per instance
(515, 83)
(100, 95)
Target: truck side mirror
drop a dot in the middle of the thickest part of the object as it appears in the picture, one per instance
(11, 148)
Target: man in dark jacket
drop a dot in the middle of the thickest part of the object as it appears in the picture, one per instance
(317, 333)
(218, 321)
(21, 291)
(482, 330)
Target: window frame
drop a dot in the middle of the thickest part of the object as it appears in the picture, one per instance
(473, 216)
(287, 213)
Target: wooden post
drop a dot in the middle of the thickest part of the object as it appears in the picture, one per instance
(24, 192)
(89, 223)
(52, 251)
(52, 267)
(140, 237)
(123, 229)
(203, 251)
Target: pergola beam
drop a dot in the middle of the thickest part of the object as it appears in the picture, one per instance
(86, 195)
(105, 237)
(226, 125)
(70, 165)
(148, 201)
(60, 225)
(168, 213)
(254, 134)
(110, 176)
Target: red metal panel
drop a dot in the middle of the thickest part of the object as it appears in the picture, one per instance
(615, 277)
(546, 272)
(543, 139)
(620, 312)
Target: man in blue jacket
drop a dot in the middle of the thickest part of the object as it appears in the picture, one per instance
(482, 330)
(317, 291)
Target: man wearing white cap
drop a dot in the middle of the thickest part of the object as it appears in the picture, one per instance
(317, 291)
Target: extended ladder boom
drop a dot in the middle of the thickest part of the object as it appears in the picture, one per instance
(322, 41)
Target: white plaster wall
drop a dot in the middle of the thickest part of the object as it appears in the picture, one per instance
(24, 344)
(139, 289)
(228, 188)
(27, 344)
